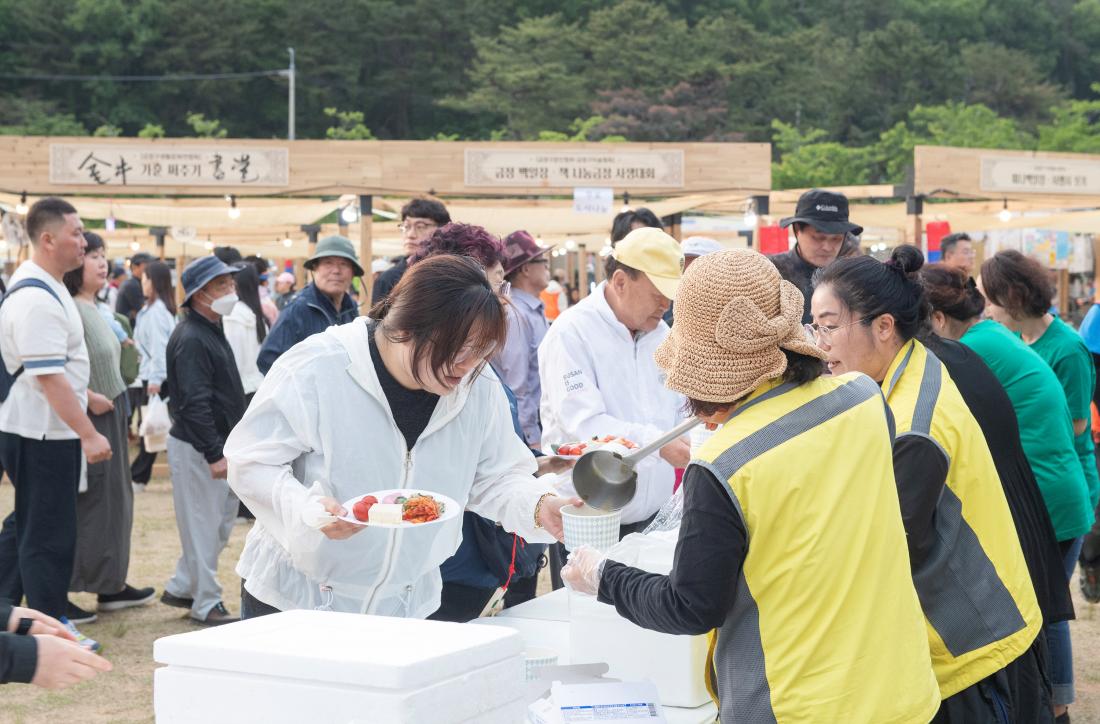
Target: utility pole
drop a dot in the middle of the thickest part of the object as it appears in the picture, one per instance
(290, 74)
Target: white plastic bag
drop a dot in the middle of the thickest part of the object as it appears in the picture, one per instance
(155, 424)
(154, 418)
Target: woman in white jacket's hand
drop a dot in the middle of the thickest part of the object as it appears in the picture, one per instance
(394, 402)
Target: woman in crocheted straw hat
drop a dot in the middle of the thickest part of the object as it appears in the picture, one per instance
(791, 552)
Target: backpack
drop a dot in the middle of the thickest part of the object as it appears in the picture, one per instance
(7, 379)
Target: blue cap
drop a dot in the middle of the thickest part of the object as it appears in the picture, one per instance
(199, 272)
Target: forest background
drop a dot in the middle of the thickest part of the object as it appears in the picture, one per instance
(842, 88)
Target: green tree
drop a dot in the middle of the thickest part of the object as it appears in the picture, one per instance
(807, 159)
(206, 128)
(349, 126)
(151, 130)
(107, 131)
(531, 75)
(1075, 127)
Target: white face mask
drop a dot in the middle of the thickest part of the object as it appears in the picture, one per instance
(224, 305)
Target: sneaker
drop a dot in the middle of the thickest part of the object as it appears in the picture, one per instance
(90, 644)
(218, 615)
(1089, 577)
(138, 487)
(127, 598)
(176, 601)
(76, 614)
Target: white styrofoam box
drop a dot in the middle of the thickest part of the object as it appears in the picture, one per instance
(535, 633)
(341, 648)
(186, 695)
(676, 664)
(287, 667)
(553, 606)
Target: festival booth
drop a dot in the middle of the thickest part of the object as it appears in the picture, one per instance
(178, 198)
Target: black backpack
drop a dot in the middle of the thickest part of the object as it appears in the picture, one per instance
(7, 379)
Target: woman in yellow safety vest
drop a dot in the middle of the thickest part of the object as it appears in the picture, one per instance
(791, 552)
(967, 563)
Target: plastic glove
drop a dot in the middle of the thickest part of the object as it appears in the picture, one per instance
(582, 572)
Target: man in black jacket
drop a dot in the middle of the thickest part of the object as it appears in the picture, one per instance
(205, 401)
(419, 220)
(822, 232)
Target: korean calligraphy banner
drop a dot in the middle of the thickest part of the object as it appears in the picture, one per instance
(552, 168)
(1051, 175)
(91, 164)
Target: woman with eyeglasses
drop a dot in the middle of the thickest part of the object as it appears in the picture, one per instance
(964, 554)
(397, 400)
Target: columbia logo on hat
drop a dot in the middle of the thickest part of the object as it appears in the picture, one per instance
(821, 207)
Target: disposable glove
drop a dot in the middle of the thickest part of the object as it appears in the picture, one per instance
(582, 572)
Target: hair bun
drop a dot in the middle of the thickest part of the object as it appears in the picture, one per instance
(907, 259)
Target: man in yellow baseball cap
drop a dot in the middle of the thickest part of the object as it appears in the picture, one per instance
(597, 372)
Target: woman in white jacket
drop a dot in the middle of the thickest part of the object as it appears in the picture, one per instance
(152, 328)
(396, 401)
(245, 329)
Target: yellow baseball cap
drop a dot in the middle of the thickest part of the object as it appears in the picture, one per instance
(655, 253)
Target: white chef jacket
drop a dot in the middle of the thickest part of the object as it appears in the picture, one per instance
(599, 379)
(320, 415)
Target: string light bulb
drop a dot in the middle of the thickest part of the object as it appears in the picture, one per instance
(570, 245)
(349, 214)
(234, 212)
(21, 207)
(288, 242)
(134, 246)
(1004, 214)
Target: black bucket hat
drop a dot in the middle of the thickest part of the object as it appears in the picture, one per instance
(826, 211)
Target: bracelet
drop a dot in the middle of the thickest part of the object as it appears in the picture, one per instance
(24, 626)
(538, 507)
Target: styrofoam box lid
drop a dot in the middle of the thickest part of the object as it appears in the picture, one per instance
(342, 648)
(553, 606)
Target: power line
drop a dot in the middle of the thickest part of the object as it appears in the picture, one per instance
(146, 78)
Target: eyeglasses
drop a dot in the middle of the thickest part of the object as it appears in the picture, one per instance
(823, 333)
(419, 227)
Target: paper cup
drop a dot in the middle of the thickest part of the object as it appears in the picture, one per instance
(589, 526)
(536, 658)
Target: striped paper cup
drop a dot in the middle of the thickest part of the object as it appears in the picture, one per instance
(590, 526)
(536, 658)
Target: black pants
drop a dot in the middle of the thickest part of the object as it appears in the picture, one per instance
(38, 539)
(252, 607)
(1018, 693)
(141, 469)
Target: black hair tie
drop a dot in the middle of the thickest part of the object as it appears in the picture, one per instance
(24, 626)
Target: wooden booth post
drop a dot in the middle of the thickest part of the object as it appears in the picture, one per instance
(158, 233)
(312, 231)
(366, 245)
(914, 208)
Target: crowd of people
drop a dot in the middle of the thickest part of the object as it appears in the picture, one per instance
(917, 572)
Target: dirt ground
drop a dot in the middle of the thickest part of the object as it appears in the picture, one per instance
(126, 694)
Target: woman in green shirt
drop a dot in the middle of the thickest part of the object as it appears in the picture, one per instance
(1019, 294)
(105, 511)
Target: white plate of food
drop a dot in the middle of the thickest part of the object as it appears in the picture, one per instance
(574, 450)
(400, 508)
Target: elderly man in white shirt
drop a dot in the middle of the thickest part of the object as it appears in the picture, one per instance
(597, 371)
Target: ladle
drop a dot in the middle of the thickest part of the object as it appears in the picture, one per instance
(607, 480)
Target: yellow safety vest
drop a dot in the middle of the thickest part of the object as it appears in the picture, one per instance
(826, 626)
(974, 587)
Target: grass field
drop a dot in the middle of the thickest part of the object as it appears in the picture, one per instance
(126, 694)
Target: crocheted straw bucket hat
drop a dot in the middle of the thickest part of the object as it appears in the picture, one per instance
(734, 317)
